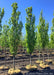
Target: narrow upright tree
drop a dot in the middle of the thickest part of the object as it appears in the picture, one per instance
(24, 42)
(4, 39)
(52, 34)
(43, 32)
(1, 16)
(15, 31)
(30, 31)
(38, 43)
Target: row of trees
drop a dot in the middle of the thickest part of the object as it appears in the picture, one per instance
(11, 34)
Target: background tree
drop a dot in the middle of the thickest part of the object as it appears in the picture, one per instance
(30, 31)
(52, 34)
(15, 31)
(43, 32)
(23, 41)
(1, 16)
(38, 43)
(4, 38)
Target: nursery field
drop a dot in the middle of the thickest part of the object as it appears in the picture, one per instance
(22, 59)
(26, 44)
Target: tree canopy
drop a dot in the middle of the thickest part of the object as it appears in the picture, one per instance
(30, 30)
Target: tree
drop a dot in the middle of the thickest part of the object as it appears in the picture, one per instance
(30, 31)
(52, 34)
(43, 32)
(4, 38)
(38, 43)
(1, 16)
(15, 31)
(23, 42)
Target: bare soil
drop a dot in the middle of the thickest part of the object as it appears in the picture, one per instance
(22, 61)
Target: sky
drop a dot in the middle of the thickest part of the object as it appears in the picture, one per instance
(37, 5)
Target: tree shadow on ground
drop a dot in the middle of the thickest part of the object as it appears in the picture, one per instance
(41, 72)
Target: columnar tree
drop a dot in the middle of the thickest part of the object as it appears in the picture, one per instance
(1, 16)
(38, 44)
(23, 42)
(4, 38)
(52, 34)
(30, 31)
(43, 32)
(15, 31)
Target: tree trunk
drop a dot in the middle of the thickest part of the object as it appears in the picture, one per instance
(30, 59)
(5, 56)
(47, 54)
(23, 48)
(2, 50)
(14, 62)
(39, 54)
(43, 55)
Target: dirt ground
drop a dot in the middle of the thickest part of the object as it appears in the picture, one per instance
(22, 61)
